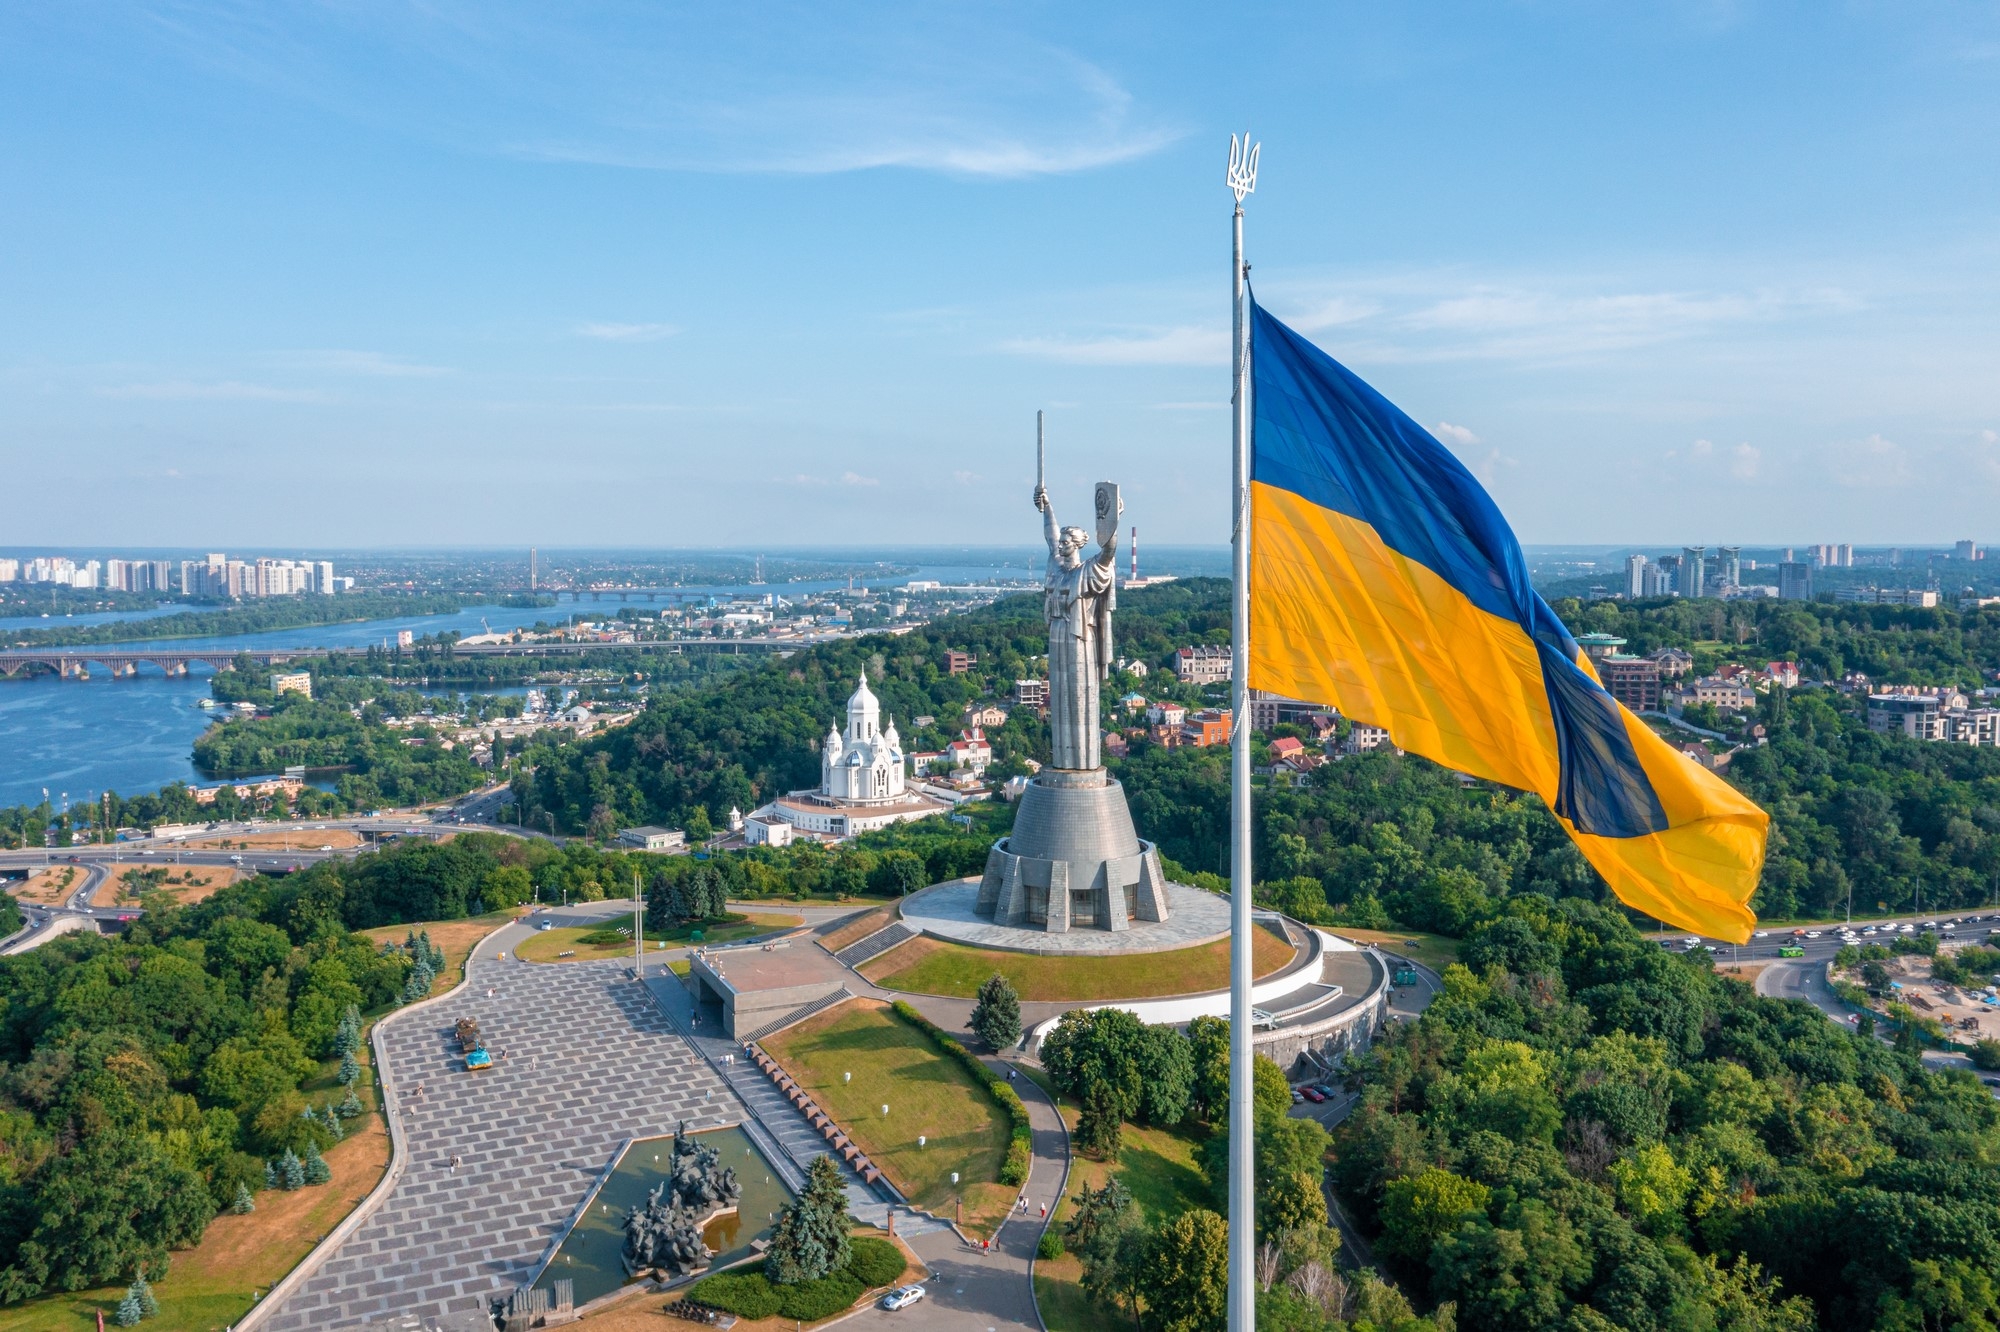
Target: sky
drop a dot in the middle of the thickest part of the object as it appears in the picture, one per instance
(647, 274)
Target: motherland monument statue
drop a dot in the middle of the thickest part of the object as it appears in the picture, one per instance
(1073, 859)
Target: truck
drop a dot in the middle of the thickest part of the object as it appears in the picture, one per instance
(471, 1046)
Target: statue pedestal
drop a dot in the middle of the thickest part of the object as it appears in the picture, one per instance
(1073, 860)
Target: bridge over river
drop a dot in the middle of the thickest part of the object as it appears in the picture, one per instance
(73, 663)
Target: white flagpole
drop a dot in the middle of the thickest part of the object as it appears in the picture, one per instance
(1242, 1154)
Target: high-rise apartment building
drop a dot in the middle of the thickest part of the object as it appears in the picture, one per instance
(1795, 581)
(1693, 571)
(1635, 575)
(1729, 565)
(1967, 550)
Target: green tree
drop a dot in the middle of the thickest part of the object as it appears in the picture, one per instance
(996, 1016)
(242, 1204)
(1100, 1124)
(1189, 1291)
(314, 1168)
(1420, 1211)
(811, 1237)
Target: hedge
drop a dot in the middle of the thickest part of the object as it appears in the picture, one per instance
(1020, 1144)
(810, 1301)
(745, 1294)
(875, 1262)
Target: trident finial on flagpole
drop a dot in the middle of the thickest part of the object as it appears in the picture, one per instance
(1243, 165)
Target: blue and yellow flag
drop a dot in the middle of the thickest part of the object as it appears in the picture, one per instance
(1384, 582)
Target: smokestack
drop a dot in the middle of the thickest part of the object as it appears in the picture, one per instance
(1135, 551)
(531, 568)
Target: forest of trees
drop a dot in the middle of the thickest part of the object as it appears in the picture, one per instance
(148, 1080)
(1584, 1131)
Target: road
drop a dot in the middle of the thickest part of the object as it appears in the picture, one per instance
(97, 860)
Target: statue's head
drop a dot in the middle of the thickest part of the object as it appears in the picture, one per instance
(1069, 544)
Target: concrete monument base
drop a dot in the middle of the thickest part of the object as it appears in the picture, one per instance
(1073, 861)
(948, 911)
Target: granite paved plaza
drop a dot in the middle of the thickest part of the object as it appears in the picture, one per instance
(589, 1061)
(945, 911)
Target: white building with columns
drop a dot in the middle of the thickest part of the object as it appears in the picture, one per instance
(862, 784)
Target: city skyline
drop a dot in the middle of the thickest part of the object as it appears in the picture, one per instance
(422, 266)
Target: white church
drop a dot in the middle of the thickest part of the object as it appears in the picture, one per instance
(861, 784)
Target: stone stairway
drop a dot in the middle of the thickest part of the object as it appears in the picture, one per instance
(798, 1015)
(875, 944)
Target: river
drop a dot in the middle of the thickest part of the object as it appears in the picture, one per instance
(85, 737)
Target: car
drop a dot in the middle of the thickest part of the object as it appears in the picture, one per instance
(1327, 1089)
(1870, 930)
(1313, 1094)
(902, 1297)
(1692, 941)
(546, 925)
(1812, 934)
(1298, 1097)
(1760, 934)
(327, 847)
(1906, 928)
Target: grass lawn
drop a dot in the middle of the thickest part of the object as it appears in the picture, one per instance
(546, 944)
(184, 885)
(1158, 1166)
(895, 1064)
(1435, 951)
(932, 966)
(857, 929)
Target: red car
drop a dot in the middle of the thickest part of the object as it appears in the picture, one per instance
(1313, 1094)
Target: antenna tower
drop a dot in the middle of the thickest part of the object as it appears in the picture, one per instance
(1135, 552)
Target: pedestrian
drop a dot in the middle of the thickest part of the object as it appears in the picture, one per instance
(1045, 1211)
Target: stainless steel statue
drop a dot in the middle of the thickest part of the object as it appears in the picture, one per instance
(1078, 598)
(1073, 859)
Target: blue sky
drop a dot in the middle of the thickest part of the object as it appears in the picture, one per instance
(513, 273)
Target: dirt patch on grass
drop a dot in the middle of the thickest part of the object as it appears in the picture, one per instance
(456, 937)
(163, 884)
(1743, 971)
(933, 966)
(49, 887)
(855, 929)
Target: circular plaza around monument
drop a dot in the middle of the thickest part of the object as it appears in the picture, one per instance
(949, 911)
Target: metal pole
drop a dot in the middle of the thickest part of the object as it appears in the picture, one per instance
(1242, 1155)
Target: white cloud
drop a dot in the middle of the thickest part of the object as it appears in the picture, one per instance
(1333, 312)
(1869, 463)
(856, 479)
(356, 363)
(1185, 345)
(799, 479)
(615, 332)
(965, 92)
(967, 478)
(223, 391)
(1744, 462)
(1456, 435)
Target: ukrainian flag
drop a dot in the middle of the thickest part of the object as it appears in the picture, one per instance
(1384, 582)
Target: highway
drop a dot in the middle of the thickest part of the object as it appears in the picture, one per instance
(96, 861)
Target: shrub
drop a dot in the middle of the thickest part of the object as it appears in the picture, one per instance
(604, 938)
(1986, 1054)
(875, 1262)
(809, 1301)
(1050, 1245)
(745, 1294)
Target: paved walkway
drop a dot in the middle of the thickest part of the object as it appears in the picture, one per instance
(589, 1062)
